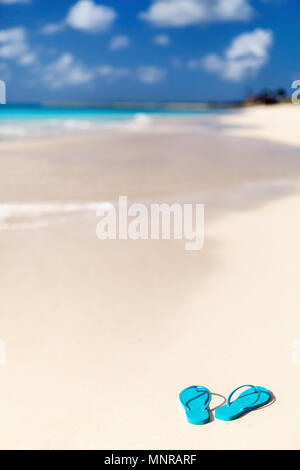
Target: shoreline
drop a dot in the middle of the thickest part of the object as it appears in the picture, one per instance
(100, 166)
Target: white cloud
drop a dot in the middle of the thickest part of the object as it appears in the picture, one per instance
(150, 74)
(233, 10)
(67, 71)
(246, 55)
(14, 46)
(27, 59)
(161, 40)
(17, 34)
(180, 13)
(119, 42)
(12, 50)
(254, 44)
(11, 2)
(112, 73)
(174, 13)
(194, 64)
(86, 15)
(52, 28)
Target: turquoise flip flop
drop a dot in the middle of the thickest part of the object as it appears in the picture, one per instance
(195, 400)
(247, 401)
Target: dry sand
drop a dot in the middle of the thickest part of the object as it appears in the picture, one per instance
(101, 336)
(276, 123)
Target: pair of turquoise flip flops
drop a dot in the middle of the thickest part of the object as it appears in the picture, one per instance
(196, 400)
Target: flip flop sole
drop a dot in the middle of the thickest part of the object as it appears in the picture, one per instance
(195, 402)
(246, 402)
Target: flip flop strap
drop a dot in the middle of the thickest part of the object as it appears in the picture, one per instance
(229, 402)
(199, 388)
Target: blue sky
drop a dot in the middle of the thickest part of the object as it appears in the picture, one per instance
(147, 49)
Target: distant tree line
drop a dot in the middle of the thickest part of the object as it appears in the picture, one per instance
(268, 97)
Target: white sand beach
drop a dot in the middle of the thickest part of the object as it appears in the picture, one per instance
(279, 125)
(101, 336)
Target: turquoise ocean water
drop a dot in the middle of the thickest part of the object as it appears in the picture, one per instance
(29, 121)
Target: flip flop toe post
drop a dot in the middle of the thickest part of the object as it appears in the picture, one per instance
(195, 401)
(252, 398)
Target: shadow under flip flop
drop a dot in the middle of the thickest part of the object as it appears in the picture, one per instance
(211, 410)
